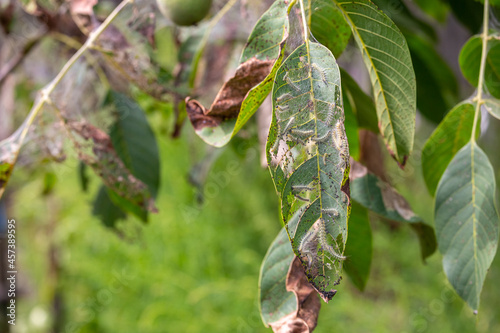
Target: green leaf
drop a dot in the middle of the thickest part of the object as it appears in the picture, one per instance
(470, 60)
(437, 89)
(362, 104)
(493, 107)
(105, 209)
(327, 25)
(388, 60)
(308, 157)
(275, 301)
(135, 144)
(359, 247)
(351, 128)
(449, 137)
(242, 95)
(379, 197)
(467, 221)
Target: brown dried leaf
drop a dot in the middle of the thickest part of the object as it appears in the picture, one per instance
(305, 319)
(96, 150)
(228, 101)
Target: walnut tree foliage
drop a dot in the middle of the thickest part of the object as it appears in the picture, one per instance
(317, 162)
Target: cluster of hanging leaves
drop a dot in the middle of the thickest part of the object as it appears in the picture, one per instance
(460, 176)
(308, 150)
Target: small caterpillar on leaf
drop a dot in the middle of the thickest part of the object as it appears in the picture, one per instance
(302, 132)
(290, 82)
(282, 97)
(322, 138)
(322, 236)
(301, 188)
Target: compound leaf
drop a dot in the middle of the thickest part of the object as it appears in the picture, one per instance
(467, 221)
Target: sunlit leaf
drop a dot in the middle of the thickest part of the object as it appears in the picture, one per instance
(308, 156)
(385, 54)
(449, 137)
(470, 61)
(242, 95)
(359, 247)
(379, 197)
(467, 221)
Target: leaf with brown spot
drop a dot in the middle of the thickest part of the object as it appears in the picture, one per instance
(288, 302)
(305, 319)
(242, 95)
(96, 150)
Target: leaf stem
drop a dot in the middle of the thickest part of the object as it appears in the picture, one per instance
(479, 98)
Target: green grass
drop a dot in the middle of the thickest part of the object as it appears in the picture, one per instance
(194, 268)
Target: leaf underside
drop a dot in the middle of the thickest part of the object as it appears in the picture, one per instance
(308, 157)
(387, 58)
(467, 221)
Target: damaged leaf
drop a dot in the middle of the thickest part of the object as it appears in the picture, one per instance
(288, 303)
(96, 150)
(379, 197)
(242, 95)
(308, 156)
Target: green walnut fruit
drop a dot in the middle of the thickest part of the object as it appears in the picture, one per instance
(185, 12)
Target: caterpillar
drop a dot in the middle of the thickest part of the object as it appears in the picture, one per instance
(301, 198)
(290, 82)
(302, 132)
(330, 114)
(282, 97)
(301, 188)
(288, 125)
(330, 211)
(307, 246)
(321, 71)
(322, 236)
(282, 108)
(340, 142)
(324, 158)
(322, 138)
